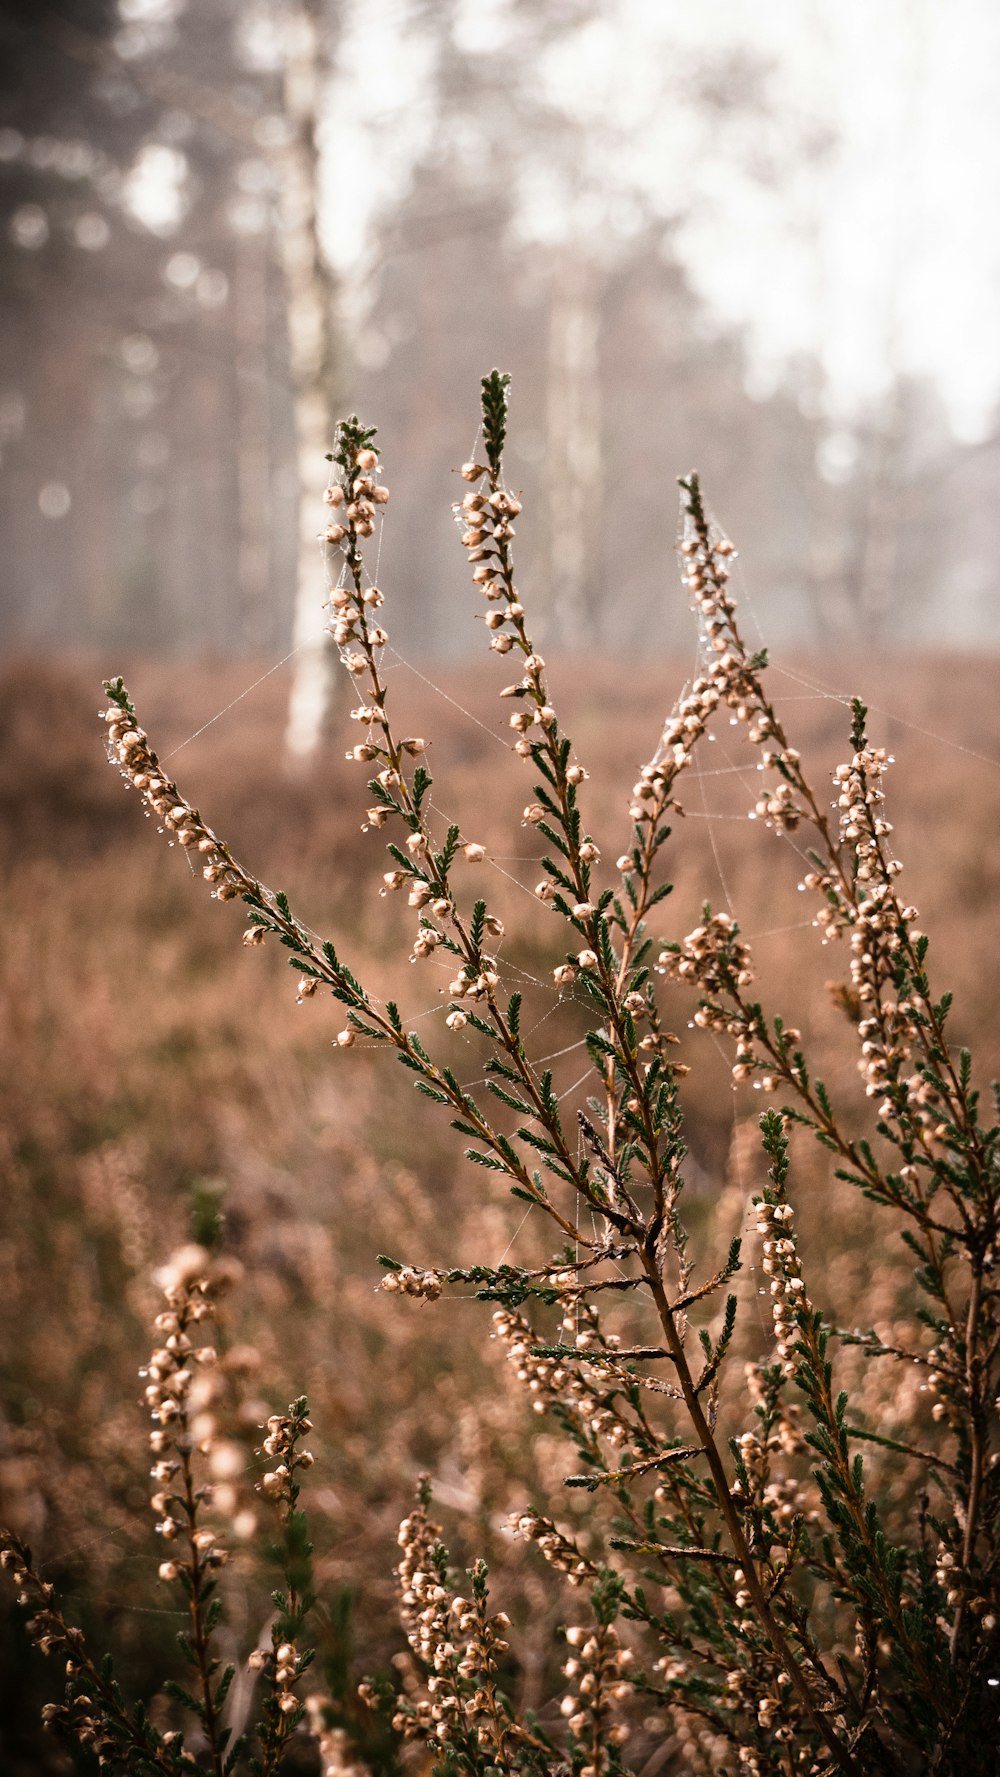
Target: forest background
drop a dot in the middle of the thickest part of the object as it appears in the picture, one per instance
(765, 244)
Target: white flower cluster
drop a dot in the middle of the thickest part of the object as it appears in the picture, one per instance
(730, 678)
(286, 1662)
(336, 1755)
(80, 1715)
(359, 496)
(174, 1396)
(712, 956)
(596, 1669)
(408, 1281)
(780, 1263)
(453, 1637)
(283, 1433)
(862, 828)
(347, 608)
(569, 1383)
(473, 983)
(129, 749)
(882, 936)
(487, 536)
(560, 1550)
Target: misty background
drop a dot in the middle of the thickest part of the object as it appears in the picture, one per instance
(763, 242)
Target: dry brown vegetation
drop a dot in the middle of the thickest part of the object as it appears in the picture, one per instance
(148, 1062)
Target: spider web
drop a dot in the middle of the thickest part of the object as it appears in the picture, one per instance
(706, 778)
(812, 689)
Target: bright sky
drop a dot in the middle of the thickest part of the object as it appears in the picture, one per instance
(846, 211)
(877, 253)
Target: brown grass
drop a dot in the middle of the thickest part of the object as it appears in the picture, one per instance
(144, 1053)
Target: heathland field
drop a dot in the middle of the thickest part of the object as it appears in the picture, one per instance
(152, 1069)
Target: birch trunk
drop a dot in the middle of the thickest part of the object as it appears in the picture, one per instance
(310, 300)
(253, 431)
(574, 446)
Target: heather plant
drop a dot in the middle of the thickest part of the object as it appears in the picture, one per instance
(194, 1495)
(774, 1572)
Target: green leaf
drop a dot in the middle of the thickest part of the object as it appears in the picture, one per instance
(222, 1689)
(495, 404)
(490, 1161)
(180, 1695)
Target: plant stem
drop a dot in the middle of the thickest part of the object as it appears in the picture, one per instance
(734, 1527)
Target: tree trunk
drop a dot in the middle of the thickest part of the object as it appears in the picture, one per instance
(574, 446)
(310, 301)
(253, 444)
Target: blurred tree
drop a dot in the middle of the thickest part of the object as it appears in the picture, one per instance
(139, 202)
(179, 177)
(309, 287)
